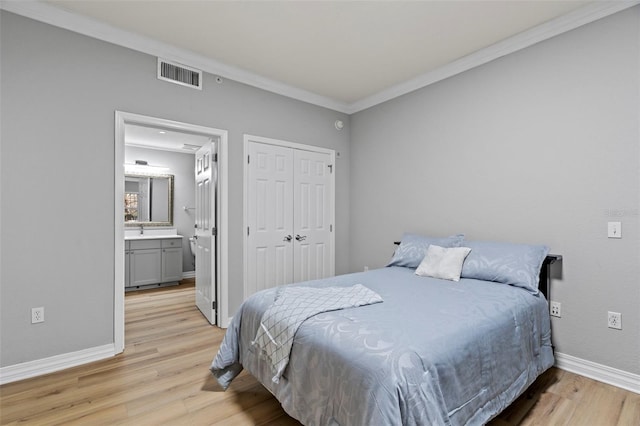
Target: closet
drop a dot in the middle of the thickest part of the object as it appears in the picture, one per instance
(289, 213)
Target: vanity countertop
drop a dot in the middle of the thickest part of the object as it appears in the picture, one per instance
(150, 237)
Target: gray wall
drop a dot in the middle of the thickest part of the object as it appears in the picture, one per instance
(540, 146)
(184, 194)
(59, 93)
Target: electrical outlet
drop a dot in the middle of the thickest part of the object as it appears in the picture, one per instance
(366, 268)
(555, 309)
(614, 320)
(37, 315)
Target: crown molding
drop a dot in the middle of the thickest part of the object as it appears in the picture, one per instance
(58, 17)
(70, 21)
(552, 28)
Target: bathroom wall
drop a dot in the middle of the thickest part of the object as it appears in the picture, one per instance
(181, 167)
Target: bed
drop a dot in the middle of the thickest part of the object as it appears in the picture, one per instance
(432, 351)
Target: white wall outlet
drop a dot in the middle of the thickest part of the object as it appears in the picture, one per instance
(37, 315)
(614, 320)
(366, 268)
(614, 230)
(555, 309)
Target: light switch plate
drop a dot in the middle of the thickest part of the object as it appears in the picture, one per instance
(614, 230)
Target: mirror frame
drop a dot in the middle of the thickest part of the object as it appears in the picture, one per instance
(153, 223)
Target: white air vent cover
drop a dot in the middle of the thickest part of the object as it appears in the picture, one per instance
(179, 74)
(190, 147)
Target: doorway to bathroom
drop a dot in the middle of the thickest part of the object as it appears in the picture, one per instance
(153, 138)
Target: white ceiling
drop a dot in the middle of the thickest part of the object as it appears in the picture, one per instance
(346, 55)
(342, 50)
(163, 139)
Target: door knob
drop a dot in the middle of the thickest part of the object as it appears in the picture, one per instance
(301, 237)
(287, 238)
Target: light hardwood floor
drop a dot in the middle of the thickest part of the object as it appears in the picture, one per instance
(163, 378)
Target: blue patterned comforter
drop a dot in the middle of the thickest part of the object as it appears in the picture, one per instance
(434, 353)
(293, 306)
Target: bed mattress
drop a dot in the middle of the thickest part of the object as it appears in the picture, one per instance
(433, 352)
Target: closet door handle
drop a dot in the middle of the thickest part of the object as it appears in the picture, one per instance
(301, 237)
(287, 238)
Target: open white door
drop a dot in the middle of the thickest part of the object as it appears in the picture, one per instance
(205, 230)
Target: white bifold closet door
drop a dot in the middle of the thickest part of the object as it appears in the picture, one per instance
(289, 210)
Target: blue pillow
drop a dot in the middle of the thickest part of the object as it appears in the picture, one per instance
(514, 264)
(413, 248)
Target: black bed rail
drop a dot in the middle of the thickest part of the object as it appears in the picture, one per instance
(544, 285)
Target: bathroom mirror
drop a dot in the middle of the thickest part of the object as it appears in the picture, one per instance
(148, 200)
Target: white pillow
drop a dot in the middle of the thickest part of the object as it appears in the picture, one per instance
(444, 263)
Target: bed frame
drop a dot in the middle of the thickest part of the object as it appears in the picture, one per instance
(544, 284)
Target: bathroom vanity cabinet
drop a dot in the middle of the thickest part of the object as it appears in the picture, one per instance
(171, 260)
(152, 261)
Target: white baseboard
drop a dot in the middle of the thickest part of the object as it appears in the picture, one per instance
(599, 372)
(189, 274)
(13, 373)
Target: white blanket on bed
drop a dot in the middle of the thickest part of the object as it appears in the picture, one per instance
(292, 307)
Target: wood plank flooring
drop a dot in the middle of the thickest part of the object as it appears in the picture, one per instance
(163, 378)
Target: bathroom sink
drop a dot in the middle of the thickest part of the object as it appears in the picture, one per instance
(134, 233)
(151, 237)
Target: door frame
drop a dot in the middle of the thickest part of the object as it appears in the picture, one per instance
(245, 216)
(222, 242)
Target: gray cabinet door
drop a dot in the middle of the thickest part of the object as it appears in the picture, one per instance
(145, 267)
(171, 264)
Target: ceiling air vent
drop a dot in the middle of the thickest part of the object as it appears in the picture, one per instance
(179, 74)
(190, 147)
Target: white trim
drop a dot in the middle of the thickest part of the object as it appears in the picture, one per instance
(189, 274)
(25, 370)
(118, 234)
(92, 28)
(13, 373)
(599, 372)
(245, 215)
(222, 296)
(286, 144)
(223, 231)
(557, 26)
(80, 24)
